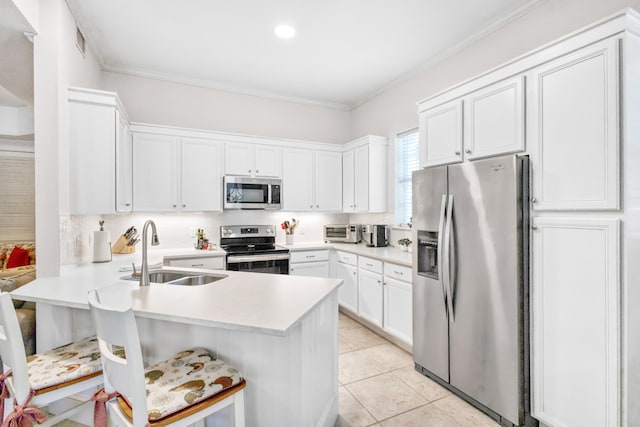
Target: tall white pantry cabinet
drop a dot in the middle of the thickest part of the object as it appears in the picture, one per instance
(573, 106)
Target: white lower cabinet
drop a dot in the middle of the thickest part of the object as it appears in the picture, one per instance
(347, 270)
(575, 321)
(313, 263)
(370, 295)
(398, 306)
(210, 263)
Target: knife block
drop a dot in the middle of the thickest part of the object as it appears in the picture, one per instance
(121, 246)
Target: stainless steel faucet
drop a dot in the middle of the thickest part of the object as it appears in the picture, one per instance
(144, 274)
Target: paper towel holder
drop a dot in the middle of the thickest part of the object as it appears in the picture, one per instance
(101, 244)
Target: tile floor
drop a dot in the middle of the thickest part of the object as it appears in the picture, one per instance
(379, 387)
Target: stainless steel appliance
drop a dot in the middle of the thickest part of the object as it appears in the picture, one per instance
(241, 192)
(343, 233)
(470, 283)
(252, 248)
(375, 235)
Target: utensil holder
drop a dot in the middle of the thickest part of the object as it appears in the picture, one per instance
(288, 239)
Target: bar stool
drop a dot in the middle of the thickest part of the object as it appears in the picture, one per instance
(43, 378)
(178, 391)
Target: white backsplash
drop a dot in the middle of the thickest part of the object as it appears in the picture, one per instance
(178, 230)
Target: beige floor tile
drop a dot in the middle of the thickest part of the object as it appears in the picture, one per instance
(390, 356)
(465, 414)
(352, 413)
(362, 337)
(426, 387)
(427, 415)
(385, 396)
(357, 365)
(344, 344)
(345, 322)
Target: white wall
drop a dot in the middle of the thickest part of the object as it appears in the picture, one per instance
(57, 65)
(16, 121)
(176, 104)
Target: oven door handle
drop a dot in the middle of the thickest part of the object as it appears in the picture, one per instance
(236, 259)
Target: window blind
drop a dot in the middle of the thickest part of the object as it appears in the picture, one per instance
(17, 197)
(407, 160)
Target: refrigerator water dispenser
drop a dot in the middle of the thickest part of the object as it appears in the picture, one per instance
(428, 254)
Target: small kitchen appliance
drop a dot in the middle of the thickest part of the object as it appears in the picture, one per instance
(252, 248)
(101, 245)
(343, 233)
(242, 192)
(375, 235)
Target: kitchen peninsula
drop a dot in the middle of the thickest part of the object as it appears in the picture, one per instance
(280, 331)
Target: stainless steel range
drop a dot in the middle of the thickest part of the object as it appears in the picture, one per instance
(252, 248)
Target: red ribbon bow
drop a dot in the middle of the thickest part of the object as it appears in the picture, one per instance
(4, 392)
(23, 415)
(101, 397)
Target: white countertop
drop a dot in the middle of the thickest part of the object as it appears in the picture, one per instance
(264, 303)
(387, 253)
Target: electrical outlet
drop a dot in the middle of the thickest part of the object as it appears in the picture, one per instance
(302, 231)
(192, 231)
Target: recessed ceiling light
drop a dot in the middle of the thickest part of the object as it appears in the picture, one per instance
(285, 31)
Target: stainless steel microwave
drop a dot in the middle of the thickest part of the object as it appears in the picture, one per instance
(241, 192)
(343, 233)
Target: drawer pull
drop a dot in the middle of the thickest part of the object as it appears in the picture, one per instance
(197, 265)
(368, 265)
(399, 273)
(311, 256)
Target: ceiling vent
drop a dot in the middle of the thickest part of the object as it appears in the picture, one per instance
(80, 41)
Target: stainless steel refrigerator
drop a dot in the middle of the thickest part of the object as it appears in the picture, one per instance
(470, 282)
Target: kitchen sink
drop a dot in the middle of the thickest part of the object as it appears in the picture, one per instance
(181, 278)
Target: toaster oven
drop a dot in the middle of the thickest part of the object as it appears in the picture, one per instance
(343, 233)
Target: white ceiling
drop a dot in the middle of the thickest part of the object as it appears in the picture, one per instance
(16, 53)
(344, 50)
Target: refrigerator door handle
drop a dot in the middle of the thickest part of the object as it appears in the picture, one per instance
(441, 274)
(447, 258)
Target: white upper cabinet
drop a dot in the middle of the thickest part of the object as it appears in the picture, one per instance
(201, 175)
(124, 167)
(364, 175)
(297, 180)
(575, 130)
(155, 173)
(312, 181)
(172, 174)
(97, 125)
(494, 119)
(328, 181)
(441, 134)
(246, 159)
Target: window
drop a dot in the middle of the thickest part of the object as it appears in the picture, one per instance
(17, 197)
(406, 162)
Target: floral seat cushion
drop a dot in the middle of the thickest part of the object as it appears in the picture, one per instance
(64, 364)
(186, 378)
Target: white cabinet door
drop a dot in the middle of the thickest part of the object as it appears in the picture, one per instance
(155, 173)
(348, 292)
(575, 130)
(201, 183)
(370, 296)
(268, 161)
(238, 159)
(328, 181)
(348, 185)
(297, 183)
(310, 269)
(441, 134)
(361, 179)
(398, 309)
(575, 317)
(494, 119)
(124, 167)
(92, 155)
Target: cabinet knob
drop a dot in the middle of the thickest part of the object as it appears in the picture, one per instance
(127, 204)
(534, 227)
(379, 281)
(457, 153)
(317, 206)
(354, 273)
(175, 206)
(534, 200)
(184, 206)
(311, 206)
(468, 151)
(249, 170)
(257, 171)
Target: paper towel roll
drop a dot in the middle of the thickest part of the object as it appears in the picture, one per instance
(101, 246)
